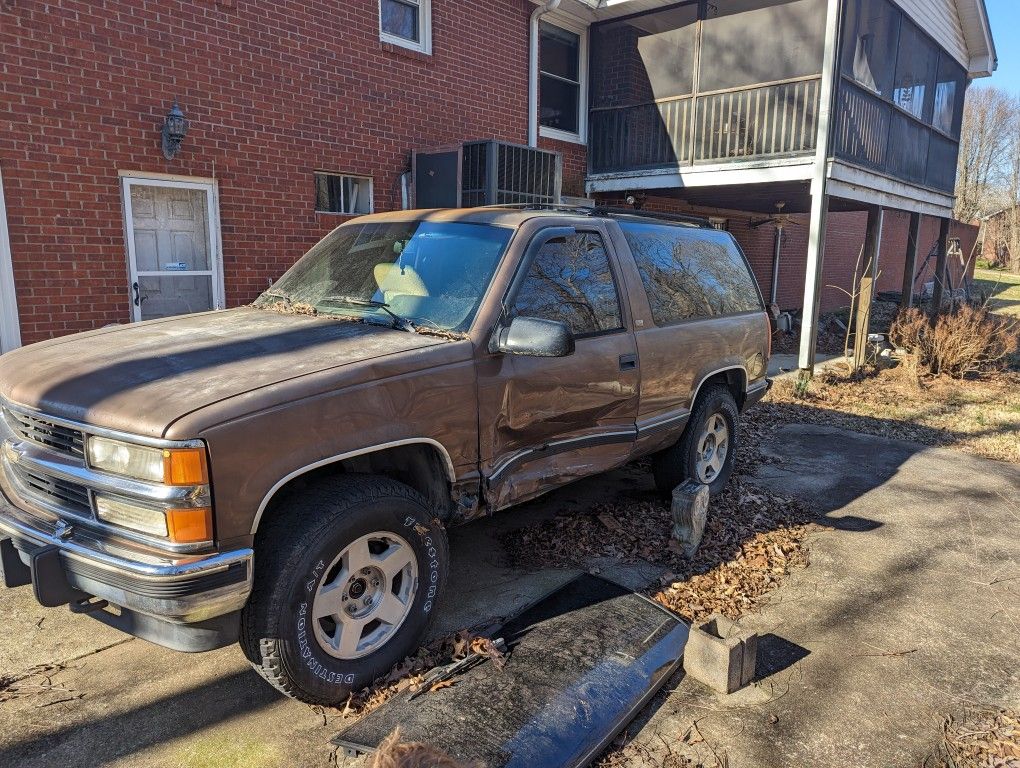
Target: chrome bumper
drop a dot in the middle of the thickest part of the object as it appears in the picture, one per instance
(175, 588)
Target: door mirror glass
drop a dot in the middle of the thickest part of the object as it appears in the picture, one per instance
(534, 337)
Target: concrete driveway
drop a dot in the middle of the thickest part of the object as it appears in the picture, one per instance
(909, 611)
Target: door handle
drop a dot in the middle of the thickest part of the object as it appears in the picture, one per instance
(628, 362)
(138, 301)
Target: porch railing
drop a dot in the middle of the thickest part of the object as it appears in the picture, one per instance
(874, 133)
(769, 120)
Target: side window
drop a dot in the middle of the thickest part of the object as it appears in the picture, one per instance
(691, 273)
(571, 281)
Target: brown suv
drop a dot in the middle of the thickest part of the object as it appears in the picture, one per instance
(283, 473)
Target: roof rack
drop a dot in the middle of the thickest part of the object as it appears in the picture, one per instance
(585, 209)
(677, 218)
(608, 211)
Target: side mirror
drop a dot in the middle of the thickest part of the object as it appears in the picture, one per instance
(534, 337)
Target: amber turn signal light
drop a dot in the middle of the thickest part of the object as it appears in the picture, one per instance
(189, 526)
(185, 466)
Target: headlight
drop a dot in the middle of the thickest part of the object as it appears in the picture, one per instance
(170, 466)
(131, 515)
(181, 526)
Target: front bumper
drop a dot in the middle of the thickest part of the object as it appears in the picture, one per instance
(183, 601)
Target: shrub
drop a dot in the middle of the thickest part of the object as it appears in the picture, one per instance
(965, 341)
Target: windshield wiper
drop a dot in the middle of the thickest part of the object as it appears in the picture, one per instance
(278, 295)
(401, 323)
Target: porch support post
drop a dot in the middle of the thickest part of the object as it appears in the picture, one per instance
(10, 329)
(868, 286)
(910, 261)
(819, 196)
(940, 268)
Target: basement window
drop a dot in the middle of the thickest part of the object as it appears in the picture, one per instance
(407, 23)
(340, 193)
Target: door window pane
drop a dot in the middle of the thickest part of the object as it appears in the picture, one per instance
(949, 92)
(169, 295)
(691, 273)
(915, 72)
(869, 47)
(170, 229)
(560, 61)
(571, 281)
(401, 19)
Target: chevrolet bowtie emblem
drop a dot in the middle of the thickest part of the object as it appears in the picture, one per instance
(63, 530)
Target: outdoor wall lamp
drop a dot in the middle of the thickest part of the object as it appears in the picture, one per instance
(175, 128)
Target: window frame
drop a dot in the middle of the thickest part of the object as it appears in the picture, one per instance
(581, 136)
(523, 268)
(698, 319)
(343, 175)
(422, 45)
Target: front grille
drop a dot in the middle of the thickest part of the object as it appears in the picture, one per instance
(69, 496)
(45, 432)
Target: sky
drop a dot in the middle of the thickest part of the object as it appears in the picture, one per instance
(1005, 19)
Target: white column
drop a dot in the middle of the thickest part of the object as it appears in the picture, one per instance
(10, 327)
(819, 195)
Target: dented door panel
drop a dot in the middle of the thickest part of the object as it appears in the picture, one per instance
(547, 421)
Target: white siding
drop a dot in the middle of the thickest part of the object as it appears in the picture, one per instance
(941, 20)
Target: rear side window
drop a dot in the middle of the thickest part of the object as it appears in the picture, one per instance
(691, 273)
(571, 281)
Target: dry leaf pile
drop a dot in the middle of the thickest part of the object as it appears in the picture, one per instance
(411, 674)
(991, 740)
(752, 539)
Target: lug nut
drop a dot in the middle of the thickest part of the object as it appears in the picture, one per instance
(351, 608)
(365, 571)
(375, 582)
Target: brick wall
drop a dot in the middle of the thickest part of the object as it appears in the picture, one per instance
(844, 239)
(273, 91)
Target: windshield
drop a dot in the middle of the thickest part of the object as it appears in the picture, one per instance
(432, 274)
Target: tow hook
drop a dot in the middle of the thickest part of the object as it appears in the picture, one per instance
(88, 605)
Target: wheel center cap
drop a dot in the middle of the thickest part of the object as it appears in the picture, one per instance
(357, 588)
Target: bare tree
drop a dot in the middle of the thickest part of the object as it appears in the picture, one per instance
(988, 153)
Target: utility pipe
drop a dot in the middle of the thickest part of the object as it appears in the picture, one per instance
(777, 251)
(538, 13)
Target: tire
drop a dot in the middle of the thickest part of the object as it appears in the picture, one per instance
(301, 571)
(680, 462)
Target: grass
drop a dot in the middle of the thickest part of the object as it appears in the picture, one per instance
(1002, 289)
(979, 416)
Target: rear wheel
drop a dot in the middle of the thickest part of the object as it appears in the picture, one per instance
(347, 577)
(707, 447)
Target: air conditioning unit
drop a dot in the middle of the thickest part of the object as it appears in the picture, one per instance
(485, 173)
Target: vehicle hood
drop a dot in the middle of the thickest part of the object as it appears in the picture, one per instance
(141, 378)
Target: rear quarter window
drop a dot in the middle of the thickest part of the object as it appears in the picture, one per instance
(691, 273)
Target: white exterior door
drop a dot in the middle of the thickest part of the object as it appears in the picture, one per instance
(173, 247)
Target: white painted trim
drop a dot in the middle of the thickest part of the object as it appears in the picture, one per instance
(855, 183)
(211, 188)
(815, 261)
(554, 19)
(762, 172)
(10, 325)
(424, 28)
(451, 473)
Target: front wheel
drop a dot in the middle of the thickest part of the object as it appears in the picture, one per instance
(706, 450)
(347, 577)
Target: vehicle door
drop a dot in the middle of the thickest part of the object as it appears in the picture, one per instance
(544, 421)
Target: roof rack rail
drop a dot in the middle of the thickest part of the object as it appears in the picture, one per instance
(678, 218)
(585, 209)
